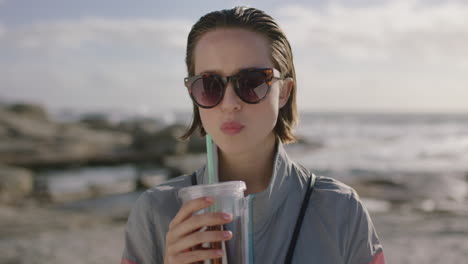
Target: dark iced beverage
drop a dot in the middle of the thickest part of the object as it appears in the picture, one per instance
(229, 198)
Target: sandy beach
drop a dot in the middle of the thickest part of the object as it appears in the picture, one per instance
(36, 235)
(46, 235)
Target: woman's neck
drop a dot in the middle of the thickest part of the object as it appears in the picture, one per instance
(254, 167)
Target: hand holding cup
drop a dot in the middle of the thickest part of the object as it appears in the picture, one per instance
(183, 239)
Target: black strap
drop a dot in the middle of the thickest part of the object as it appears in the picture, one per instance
(194, 179)
(297, 228)
(300, 218)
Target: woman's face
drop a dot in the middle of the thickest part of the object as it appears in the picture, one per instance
(236, 126)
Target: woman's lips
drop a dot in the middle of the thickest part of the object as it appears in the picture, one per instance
(231, 128)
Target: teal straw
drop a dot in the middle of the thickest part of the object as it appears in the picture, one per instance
(209, 152)
(211, 178)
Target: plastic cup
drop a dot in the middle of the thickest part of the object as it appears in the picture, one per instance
(229, 198)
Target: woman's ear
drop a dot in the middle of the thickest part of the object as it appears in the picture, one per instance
(285, 91)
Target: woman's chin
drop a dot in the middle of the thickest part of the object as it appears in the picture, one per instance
(240, 143)
(231, 148)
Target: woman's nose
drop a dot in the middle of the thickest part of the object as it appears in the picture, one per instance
(231, 102)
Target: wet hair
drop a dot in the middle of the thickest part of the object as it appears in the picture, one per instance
(257, 21)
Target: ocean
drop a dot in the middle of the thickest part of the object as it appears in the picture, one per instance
(383, 143)
(421, 159)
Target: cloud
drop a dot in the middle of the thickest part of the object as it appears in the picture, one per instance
(381, 32)
(94, 62)
(75, 34)
(2, 30)
(406, 55)
(95, 84)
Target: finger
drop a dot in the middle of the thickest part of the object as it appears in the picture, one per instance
(198, 255)
(197, 238)
(189, 208)
(196, 222)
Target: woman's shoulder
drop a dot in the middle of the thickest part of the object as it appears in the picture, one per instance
(331, 191)
(333, 186)
(172, 185)
(164, 193)
(323, 184)
(326, 188)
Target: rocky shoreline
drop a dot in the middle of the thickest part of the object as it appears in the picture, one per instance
(29, 138)
(30, 142)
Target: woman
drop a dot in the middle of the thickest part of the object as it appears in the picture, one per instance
(242, 83)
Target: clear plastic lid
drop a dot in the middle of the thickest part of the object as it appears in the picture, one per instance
(229, 188)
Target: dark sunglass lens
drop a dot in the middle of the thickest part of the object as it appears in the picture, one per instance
(207, 91)
(252, 86)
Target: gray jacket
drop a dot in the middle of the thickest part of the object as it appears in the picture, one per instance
(337, 227)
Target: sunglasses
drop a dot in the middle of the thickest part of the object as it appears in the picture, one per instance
(251, 85)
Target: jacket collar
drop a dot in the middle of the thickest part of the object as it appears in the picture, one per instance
(267, 202)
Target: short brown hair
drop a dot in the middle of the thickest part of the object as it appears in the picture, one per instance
(257, 21)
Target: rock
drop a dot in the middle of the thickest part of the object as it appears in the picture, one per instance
(164, 142)
(69, 196)
(140, 126)
(393, 193)
(118, 187)
(377, 206)
(37, 142)
(154, 178)
(15, 183)
(310, 144)
(186, 164)
(4, 132)
(30, 111)
(26, 126)
(96, 121)
(437, 186)
(421, 191)
(440, 207)
(29, 138)
(96, 142)
(92, 190)
(385, 182)
(85, 183)
(196, 144)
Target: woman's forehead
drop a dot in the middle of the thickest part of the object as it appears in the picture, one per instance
(226, 51)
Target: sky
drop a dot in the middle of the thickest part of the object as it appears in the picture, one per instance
(349, 55)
